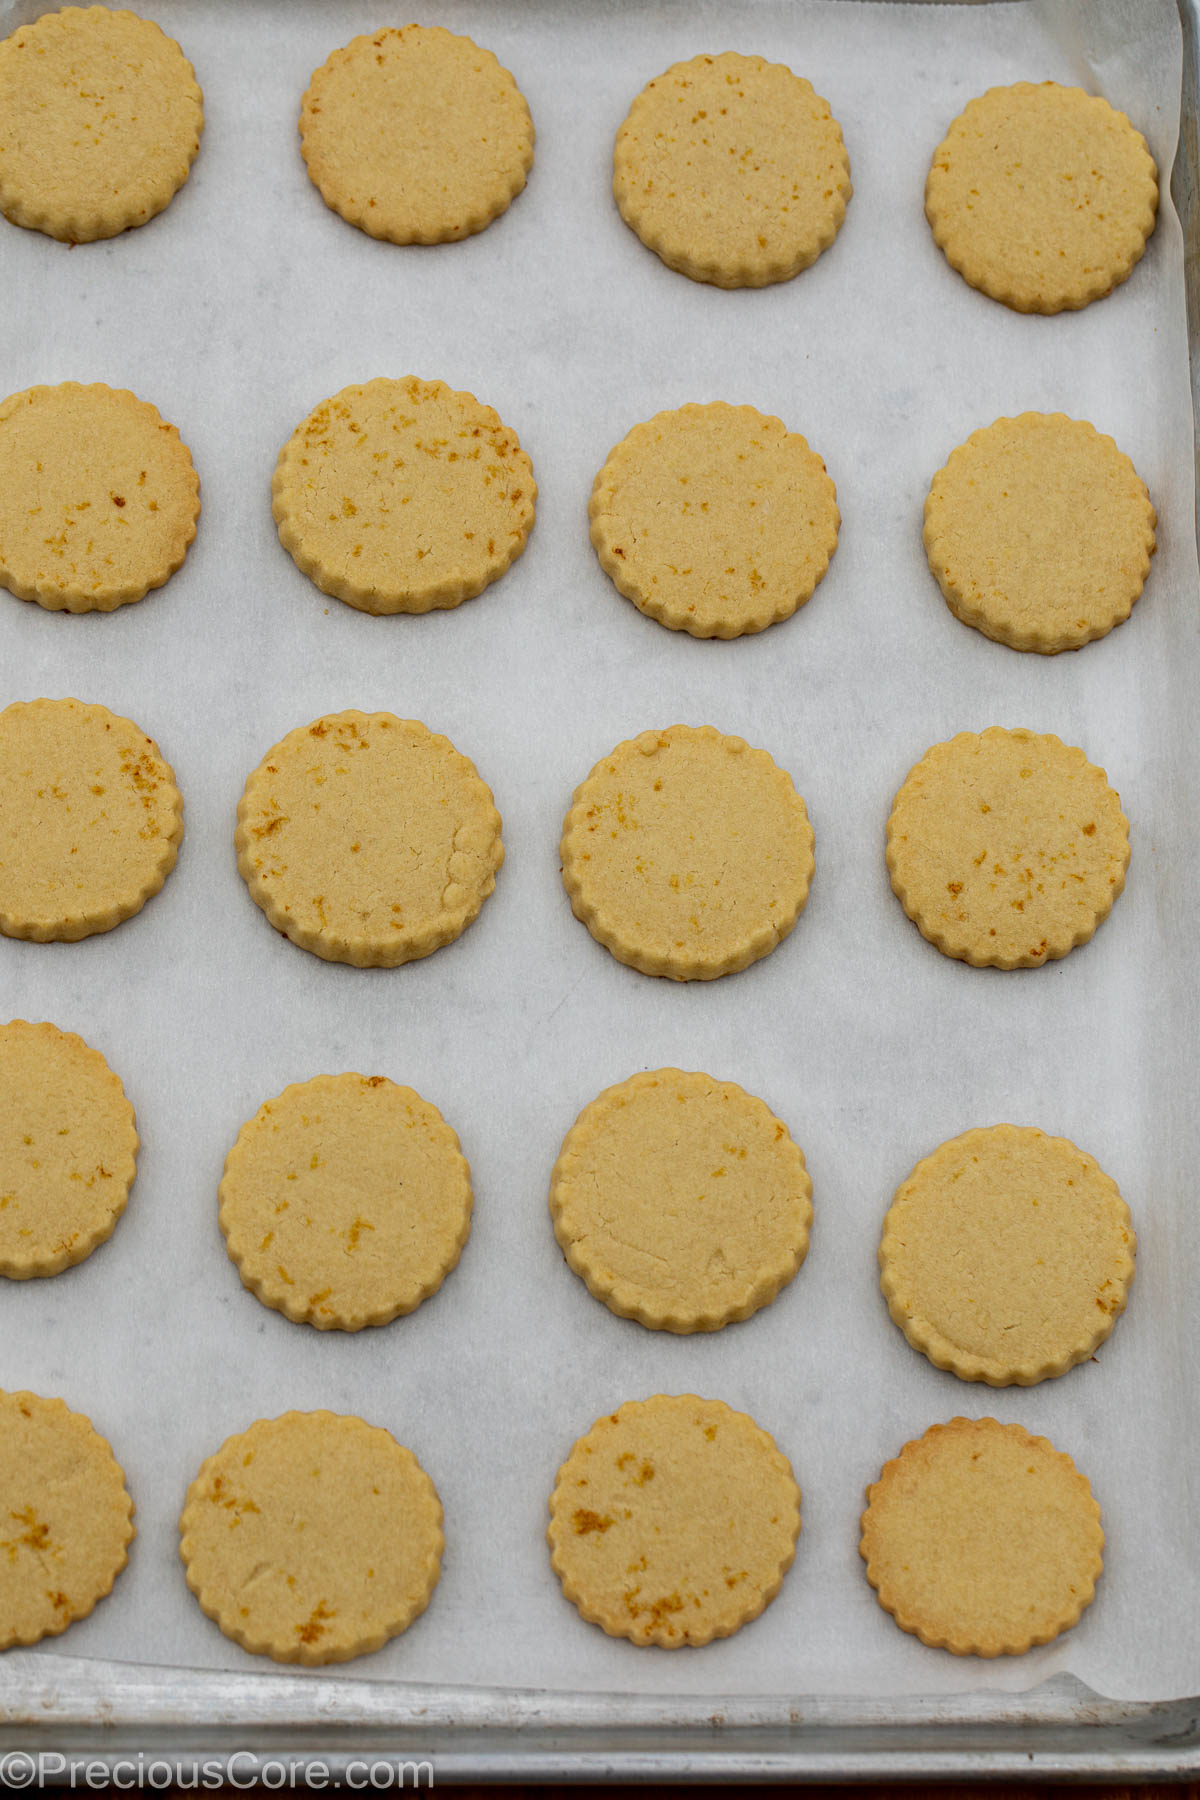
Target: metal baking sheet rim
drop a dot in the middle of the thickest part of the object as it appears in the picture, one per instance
(103, 1712)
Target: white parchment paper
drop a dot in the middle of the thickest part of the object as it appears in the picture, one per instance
(235, 312)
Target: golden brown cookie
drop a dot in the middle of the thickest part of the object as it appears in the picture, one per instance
(90, 819)
(687, 854)
(1007, 849)
(68, 1149)
(681, 1201)
(732, 170)
(416, 135)
(1040, 532)
(403, 496)
(1007, 1256)
(367, 839)
(66, 1519)
(100, 118)
(981, 1539)
(716, 520)
(98, 497)
(312, 1538)
(673, 1521)
(1042, 196)
(345, 1201)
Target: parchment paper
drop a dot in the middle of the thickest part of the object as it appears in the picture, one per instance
(235, 312)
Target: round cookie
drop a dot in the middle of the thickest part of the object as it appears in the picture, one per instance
(687, 854)
(403, 496)
(1006, 849)
(98, 497)
(345, 1201)
(68, 1149)
(673, 1521)
(100, 118)
(90, 819)
(312, 1538)
(367, 839)
(981, 1539)
(714, 520)
(416, 135)
(1042, 196)
(681, 1201)
(1007, 1256)
(732, 170)
(66, 1518)
(1039, 532)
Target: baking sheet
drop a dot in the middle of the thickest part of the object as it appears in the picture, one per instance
(234, 312)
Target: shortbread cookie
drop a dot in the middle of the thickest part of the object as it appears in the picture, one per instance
(98, 497)
(100, 118)
(681, 1201)
(715, 520)
(687, 854)
(1040, 532)
(346, 1201)
(1007, 1256)
(367, 839)
(732, 170)
(90, 819)
(981, 1539)
(403, 496)
(673, 1521)
(312, 1538)
(1042, 196)
(66, 1518)
(1007, 849)
(68, 1149)
(416, 135)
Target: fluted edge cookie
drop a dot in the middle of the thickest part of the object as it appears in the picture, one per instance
(98, 497)
(1007, 1256)
(673, 1521)
(100, 121)
(1041, 196)
(644, 901)
(716, 520)
(68, 1150)
(981, 1539)
(681, 1261)
(944, 859)
(66, 1518)
(312, 1538)
(732, 170)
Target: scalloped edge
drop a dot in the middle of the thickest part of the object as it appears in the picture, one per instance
(674, 617)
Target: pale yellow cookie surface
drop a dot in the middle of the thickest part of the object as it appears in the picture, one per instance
(673, 1521)
(345, 1201)
(368, 839)
(1006, 848)
(687, 854)
(981, 1539)
(716, 520)
(68, 1149)
(98, 497)
(66, 1519)
(1042, 196)
(416, 135)
(732, 170)
(312, 1538)
(403, 496)
(1007, 1256)
(90, 819)
(1039, 532)
(100, 118)
(681, 1201)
